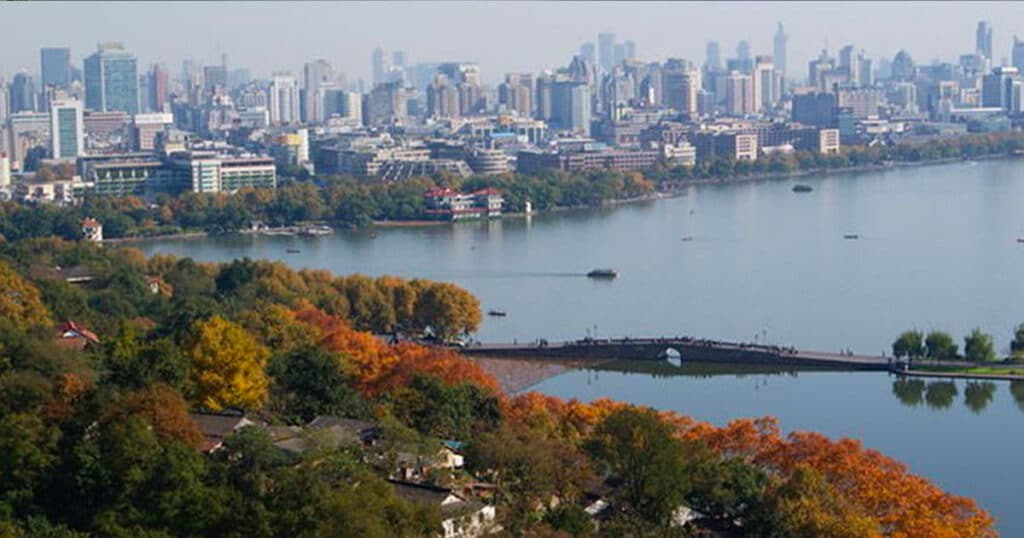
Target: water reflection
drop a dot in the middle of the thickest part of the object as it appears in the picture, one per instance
(941, 394)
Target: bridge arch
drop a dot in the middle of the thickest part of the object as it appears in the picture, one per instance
(672, 355)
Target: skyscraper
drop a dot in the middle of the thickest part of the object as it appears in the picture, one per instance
(317, 76)
(112, 80)
(764, 87)
(570, 106)
(983, 39)
(606, 50)
(743, 50)
(589, 53)
(398, 58)
(23, 94)
(630, 49)
(779, 50)
(157, 86)
(739, 94)
(679, 85)
(284, 98)
(1017, 55)
(67, 137)
(712, 57)
(55, 67)
(378, 63)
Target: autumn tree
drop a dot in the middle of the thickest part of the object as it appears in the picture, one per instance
(227, 365)
(162, 408)
(20, 304)
(448, 310)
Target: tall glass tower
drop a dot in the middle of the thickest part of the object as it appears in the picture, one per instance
(112, 80)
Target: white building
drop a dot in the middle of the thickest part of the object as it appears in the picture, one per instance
(145, 128)
(67, 131)
(284, 99)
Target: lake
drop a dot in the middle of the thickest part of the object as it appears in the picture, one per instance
(936, 248)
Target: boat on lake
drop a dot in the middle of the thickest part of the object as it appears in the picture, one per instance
(313, 231)
(1020, 239)
(497, 313)
(851, 236)
(802, 188)
(687, 238)
(292, 250)
(603, 273)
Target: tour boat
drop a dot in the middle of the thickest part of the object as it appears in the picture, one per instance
(292, 250)
(802, 188)
(497, 313)
(851, 236)
(603, 273)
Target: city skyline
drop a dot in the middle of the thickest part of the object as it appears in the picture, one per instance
(346, 34)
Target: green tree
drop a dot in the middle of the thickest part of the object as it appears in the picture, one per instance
(978, 347)
(1017, 344)
(940, 345)
(909, 391)
(448, 411)
(310, 381)
(645, 463)
(909, 344)
(940, 394)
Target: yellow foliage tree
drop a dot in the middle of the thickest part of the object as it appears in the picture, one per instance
(228, 365)
(20, 304)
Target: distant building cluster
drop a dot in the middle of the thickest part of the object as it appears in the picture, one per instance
(123, 128)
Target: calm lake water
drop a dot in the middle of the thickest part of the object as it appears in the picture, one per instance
(937, 249)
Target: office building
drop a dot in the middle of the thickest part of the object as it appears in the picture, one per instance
(779, 50)
(570, 106)
(386, 104)
(903, 68)
(1017, 54)
(343, 103)
(157, 88)
(67, 129)
(55, 67)
(712, 57)
(765, 87)
(23, 94)
(379, 66)
(629, 50)
(284, 99)
(516, 94)
(111, 80)
(588, 51)
(5, 105)
(997, 88)
(725, 145)
(818, 109)
(606, 50)
(679, 85)
(983, 39)
(739, 94)
(146, 127)
(317, 77)
(209, 171)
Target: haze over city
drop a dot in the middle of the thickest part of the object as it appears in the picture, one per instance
(501, 36)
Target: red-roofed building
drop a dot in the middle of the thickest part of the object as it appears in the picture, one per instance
(449, 204)
(74, 336)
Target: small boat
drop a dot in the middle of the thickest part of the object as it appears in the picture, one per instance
(802, 188)
(373, 235)
(292, 250)
(603, 273)
(851, 236)
(1020, 239)
(497, 313)
(687, 238)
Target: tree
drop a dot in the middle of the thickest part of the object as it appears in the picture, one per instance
(20, 305)
(909, 391)
(978, 347)
(909, 344)
(940, 345)
(940, 394)
(1017, 344)
(310, 381)
(162, 408)
(227, 365)
(448, 310)
(445, 410)
(977, 395)
(645, 462)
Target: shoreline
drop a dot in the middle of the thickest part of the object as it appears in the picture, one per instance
(674, 192)
(959, 375)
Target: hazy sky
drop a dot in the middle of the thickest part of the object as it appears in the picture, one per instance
(502, 36)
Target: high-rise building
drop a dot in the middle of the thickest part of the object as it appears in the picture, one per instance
(817, 67)
(55, 67)
(1017, 55)
(67, 129)
(606, 50)
(629, 48)
(743, 50)
(386, 104)
(983, 39)
(588, 52)
(712, 57)
(765, 89)
(779, 50)
(5, 107)
(997, 87)
(542, 108)
(739, 94)
(378, 63)
(215, 76)
(398, 58)
(516, 93)
(903, 68)
(442, 98)
(679, 85)
(157, 86)
(570, 106)
(284, 98)
(23, 94)
(112, 80)
(847, 57)
(865, 76)
(317, 77)
(818, 109)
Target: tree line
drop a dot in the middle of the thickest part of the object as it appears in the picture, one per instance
(941, 346)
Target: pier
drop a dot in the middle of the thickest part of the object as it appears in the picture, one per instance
(687, 349)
